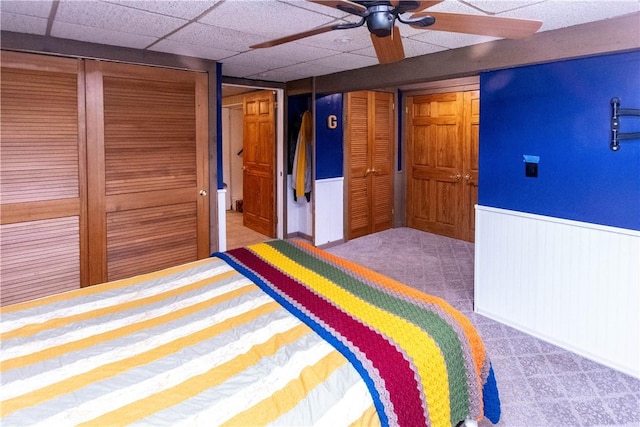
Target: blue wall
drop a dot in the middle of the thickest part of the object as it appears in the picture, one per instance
(561, 113)
(329, 142)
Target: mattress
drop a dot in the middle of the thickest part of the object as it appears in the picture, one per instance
(278, 333)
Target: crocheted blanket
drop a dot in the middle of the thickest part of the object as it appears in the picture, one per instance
(422, 360)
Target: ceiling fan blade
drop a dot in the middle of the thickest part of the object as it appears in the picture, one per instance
(510, 28)
(388, 49)
(294, 37)
(343, 5)
(422, 4)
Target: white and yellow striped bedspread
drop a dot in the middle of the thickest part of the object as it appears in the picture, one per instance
(192, 345)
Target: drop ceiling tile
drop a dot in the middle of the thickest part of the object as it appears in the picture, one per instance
(217, 37)
(319, 8)
(235, 70)
(466, 7)
(556, 14)
(180, 9)
(493, 7)
(99, 35)
(340, 40)
(450, 40)
(417, 48)
(345, 61)
(295, 72)
(112, 17)
(268, 18)
(39, 8)
(23, 23)
(297, 52)
(195, 50)
(259, 59)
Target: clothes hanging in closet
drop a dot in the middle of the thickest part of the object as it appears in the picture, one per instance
(301, 181)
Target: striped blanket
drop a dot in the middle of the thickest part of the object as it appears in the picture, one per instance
(255, 336)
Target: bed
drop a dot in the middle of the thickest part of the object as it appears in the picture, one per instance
(278, 333)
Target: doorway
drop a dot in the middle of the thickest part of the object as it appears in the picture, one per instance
(232, 232)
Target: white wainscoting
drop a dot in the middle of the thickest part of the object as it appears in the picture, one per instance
(329, 211)
(222, 221)
(573, 284)
(299, 213)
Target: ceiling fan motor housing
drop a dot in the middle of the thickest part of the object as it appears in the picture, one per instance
(380, 20)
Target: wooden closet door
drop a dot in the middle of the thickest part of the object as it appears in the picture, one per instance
(369, 148)
(358, 168)
(470, 163)
(42, 174)
(442, 183)
(147, 157)
(435, 151)
(382, 137)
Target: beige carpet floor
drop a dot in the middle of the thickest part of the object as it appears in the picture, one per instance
(540, 384)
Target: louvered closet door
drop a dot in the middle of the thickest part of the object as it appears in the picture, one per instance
(382, 138)
(41, 176)
(358, 156)
(147, 157)
(370, 136)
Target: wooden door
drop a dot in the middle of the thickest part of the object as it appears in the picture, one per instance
(442, 179)
(381, 152)
(42, 170)
(434, 190)
(369, 148)
(470, 163)
(147, 154)
(259, 154)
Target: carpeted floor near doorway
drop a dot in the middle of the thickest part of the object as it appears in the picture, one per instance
(540, 384)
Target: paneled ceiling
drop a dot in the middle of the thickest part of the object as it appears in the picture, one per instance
(223, 30)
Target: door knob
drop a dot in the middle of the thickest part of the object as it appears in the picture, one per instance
(456, 177)
(467, 177)
(203, 192)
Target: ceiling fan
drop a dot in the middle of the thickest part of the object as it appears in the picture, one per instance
(380, 18)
